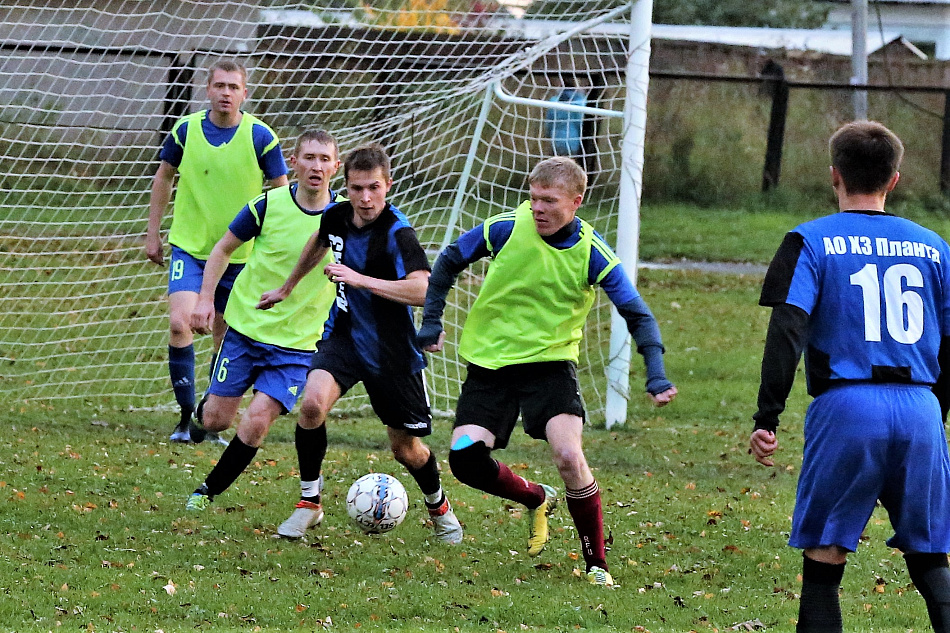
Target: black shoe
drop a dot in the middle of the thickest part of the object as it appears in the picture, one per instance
(195, 428)
(181, 434)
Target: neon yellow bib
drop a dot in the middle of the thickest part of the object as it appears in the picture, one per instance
(534, 301)
(214, 184)
(297, 321)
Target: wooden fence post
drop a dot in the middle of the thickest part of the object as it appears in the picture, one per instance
(776, 85)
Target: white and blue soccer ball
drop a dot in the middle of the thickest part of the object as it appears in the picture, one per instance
(377, 503)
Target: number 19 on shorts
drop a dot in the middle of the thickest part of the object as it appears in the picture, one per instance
(903, 309)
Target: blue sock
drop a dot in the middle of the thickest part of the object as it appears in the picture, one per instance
(181, 368)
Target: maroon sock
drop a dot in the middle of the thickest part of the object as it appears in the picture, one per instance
(584, 506)
(516, 488)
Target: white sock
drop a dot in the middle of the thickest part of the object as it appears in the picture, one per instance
(311, 488)
(435, 497)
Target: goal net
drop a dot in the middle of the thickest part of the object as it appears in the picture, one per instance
(90, 88)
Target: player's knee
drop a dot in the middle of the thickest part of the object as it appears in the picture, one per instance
(473, 465)
(179, 326)
(410, 453)
(568, 458)
(313, 412)
(214, 419)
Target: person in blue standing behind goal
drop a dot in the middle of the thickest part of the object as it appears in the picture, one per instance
(521, 339)
(866, 295)
(564, 128)
(222, 156)
(267, 350)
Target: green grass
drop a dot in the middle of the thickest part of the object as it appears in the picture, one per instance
(94, 533)
(750, 232)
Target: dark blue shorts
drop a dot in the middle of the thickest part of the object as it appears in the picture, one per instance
(868, 442)
(400, 400)
(185, 272)
(242, 362)
(493, 398)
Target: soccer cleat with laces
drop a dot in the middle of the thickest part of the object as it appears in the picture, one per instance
(599, 576)
(306, 515)
(198, 502)
(445, 524)
(538, 521)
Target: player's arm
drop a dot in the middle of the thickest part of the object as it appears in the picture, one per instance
(941, 388)
(202, 318)
(159, 198)
(411, 271)
(610, 275)
(454, 258)
(784, 342)
(410, 290)
(269, 157)
(313, 253)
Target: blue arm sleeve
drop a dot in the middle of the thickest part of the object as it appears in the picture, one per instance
(445, 271)
(271, 161)
(173, 148)
(646, 333)
(641, 324)
(247, 224)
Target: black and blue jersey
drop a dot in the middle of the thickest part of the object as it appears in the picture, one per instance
(382, 331)
(866, 295)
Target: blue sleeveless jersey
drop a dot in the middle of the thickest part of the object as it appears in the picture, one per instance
(877, 291)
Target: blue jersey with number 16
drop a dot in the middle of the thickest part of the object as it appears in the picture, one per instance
(876, 288)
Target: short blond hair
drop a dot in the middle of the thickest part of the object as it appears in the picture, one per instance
(559, 171)
(227, 65)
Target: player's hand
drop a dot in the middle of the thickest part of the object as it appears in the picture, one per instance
(202, 318)
(341, 274)
(153, 249)
(430, 337)
(271, 298)
(664, 398)
(762, 445)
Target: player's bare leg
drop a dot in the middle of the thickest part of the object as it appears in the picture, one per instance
(412, 453)
(310, 440)
(564, 433)
(181, 358)
(819, 608)
(255, 423)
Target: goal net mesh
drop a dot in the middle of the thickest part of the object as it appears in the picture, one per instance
(89, 89)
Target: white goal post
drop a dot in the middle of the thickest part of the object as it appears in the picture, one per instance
(89, 89)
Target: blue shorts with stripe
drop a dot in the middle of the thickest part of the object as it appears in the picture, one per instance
(185, 272)
(866, 442)
(243, 363)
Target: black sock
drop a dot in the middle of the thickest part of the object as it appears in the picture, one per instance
(235, 458)
(311, 447)
(931, 576)
(819, 610)
(427, 476)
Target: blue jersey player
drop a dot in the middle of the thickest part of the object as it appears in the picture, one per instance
(866, 296)
(380, 270)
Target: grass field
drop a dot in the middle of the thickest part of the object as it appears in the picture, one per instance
(94, 535)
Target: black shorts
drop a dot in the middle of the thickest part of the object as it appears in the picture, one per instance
(400, 400)
(493, 398)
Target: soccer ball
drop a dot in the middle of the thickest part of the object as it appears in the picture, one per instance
(377, 503)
